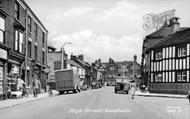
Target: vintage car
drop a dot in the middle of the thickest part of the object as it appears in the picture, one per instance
(123, 85)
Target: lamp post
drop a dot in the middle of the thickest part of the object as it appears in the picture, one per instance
(62, 53)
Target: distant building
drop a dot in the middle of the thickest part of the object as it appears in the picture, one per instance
(57, 60)
(112, 69)
(85, 74)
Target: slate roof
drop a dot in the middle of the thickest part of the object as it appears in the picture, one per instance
(50, 45)
(71, 62)
(179, 37)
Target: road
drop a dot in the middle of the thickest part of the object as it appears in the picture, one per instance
(100, 103)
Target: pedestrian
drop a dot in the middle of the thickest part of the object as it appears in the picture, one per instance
(133, 89)
(24, 91)
(188, 95)
(35, 86)
(50, 91)
(8, 92)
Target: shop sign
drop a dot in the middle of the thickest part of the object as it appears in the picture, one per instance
(3, 54)
(157, 20)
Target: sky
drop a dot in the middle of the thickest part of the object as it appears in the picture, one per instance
(103, 28)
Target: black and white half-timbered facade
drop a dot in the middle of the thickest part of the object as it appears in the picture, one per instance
(166, 59)
(169, 63)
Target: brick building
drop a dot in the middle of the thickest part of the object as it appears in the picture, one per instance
(56, 60)
(112, 69)
(24, 42)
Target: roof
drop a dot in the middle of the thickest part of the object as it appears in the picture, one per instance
(35, 16)
(50, 45)
(83, 63)
(71, 62)
(179, 37)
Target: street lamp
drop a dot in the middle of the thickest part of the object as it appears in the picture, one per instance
(62, 53)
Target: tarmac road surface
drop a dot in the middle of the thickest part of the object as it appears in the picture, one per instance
(100, 103)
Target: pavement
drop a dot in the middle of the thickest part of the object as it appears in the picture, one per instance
(148, 94)
(100, 103)
(13, 102)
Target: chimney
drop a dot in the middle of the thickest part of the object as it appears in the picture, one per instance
(73, 57)
(135, 58)
(174, 25)
(81, 57)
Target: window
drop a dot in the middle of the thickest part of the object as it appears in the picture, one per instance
(2, 30)
(36, 30)
(158, 77)
(158, 55)
(43, 57)
(29, 23)
(29, 49)
(43, 37)
(181, 76)
(17, 10)
(19, 41)
(181, 51)
(57, 65)
(36, 52)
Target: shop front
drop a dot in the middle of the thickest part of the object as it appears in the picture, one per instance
(3, 63)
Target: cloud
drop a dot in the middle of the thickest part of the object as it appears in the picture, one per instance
(102, 46)
(75, 12)
(123, 9)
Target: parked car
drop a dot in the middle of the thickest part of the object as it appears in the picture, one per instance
(123, 85)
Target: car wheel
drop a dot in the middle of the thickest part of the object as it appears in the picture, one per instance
(127, 92)
(115, 91)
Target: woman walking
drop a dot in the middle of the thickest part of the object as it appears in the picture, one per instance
(133, 89)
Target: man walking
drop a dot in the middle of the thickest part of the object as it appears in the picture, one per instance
(35, 86)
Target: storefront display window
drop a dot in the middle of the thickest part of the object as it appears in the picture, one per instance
(1, 80)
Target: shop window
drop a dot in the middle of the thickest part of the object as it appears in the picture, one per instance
(1, 80)
(17, 10)
(19, 41)
(181, 76)
(158, 55)
(181, 51)
(2, 30)
(29, 49)
(158, 77)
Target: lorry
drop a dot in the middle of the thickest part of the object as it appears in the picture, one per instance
(67, 80)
